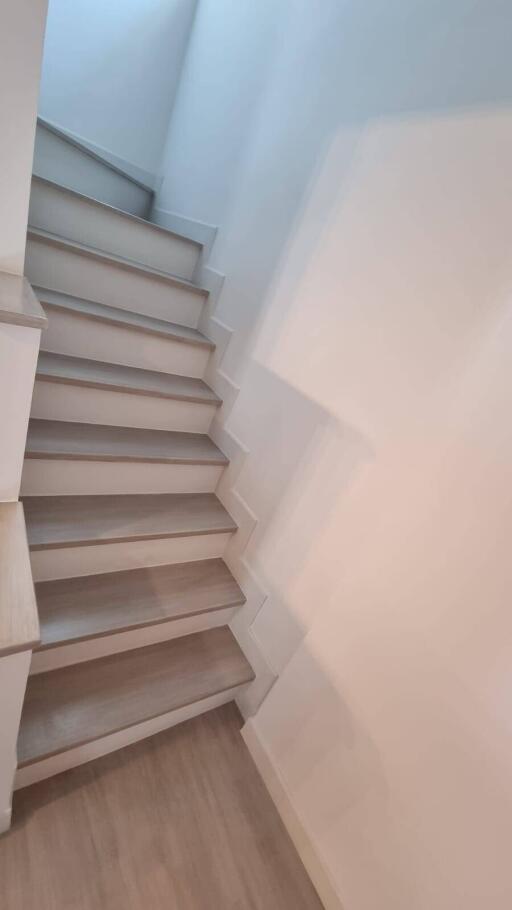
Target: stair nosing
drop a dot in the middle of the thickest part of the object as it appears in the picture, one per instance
(125, 459)
(134, 626)
(214, 401)
(105, 541)
(128, 215)
(201, 341)
(82, 249)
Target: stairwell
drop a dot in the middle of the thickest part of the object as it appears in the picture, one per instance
(125, 532)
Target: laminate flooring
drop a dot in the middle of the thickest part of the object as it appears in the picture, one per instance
(180, 821)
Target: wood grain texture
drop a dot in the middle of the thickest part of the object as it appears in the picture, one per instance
(74, 705)
(76, 609)
(100, 312)
(73, 521)
(81, 249)
(18, 303)
(181, 821)
(61, 439)
(117, 378)
(19, 624)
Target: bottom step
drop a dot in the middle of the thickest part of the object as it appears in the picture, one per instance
(77, 713)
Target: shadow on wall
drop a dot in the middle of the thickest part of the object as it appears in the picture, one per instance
(300, 466)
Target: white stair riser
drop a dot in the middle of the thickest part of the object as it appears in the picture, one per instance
(75, 218)
(81, 754)
(66, 562)
(61, 477)
(70, 333)
(78, 652)
(109, 283)
(62, 401)
(58, 160)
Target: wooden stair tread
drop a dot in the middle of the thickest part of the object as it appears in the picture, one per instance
(66, 521)
(128, 216)
(60, 439)
(86, 150)
(82, 249)
(75, 609)
(125, 318)
(116, 377)
(74, 705)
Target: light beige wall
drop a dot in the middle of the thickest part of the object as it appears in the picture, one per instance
(21, 40)
(365, 234)
(390, 723)
(22, 25)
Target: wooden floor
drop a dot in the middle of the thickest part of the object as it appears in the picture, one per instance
(181, 821)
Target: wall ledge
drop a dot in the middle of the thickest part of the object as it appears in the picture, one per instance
(18, 303)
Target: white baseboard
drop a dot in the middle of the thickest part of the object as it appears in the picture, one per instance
(241, 625)
(291, 819)
(199, 231)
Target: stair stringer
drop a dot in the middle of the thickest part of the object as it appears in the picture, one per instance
(235, 557)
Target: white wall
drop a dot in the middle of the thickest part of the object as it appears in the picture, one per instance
(21, 42)
(110, 71)
(359, 168)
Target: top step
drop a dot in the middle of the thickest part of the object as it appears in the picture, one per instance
(59, 157)
(59, 210)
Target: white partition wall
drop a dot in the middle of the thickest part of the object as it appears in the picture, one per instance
(22, 24)
(13, 679)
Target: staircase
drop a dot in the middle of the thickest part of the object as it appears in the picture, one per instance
(126, 534)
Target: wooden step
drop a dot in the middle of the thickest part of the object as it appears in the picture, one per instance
(78, 609)
(84, 147)
(60, 439)
(89, 309)
(60, 157)
(129, 217)
(117, 378)
(83, 219)
(130, 265)
(81, 521)
(69, 707)
(83, 271)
